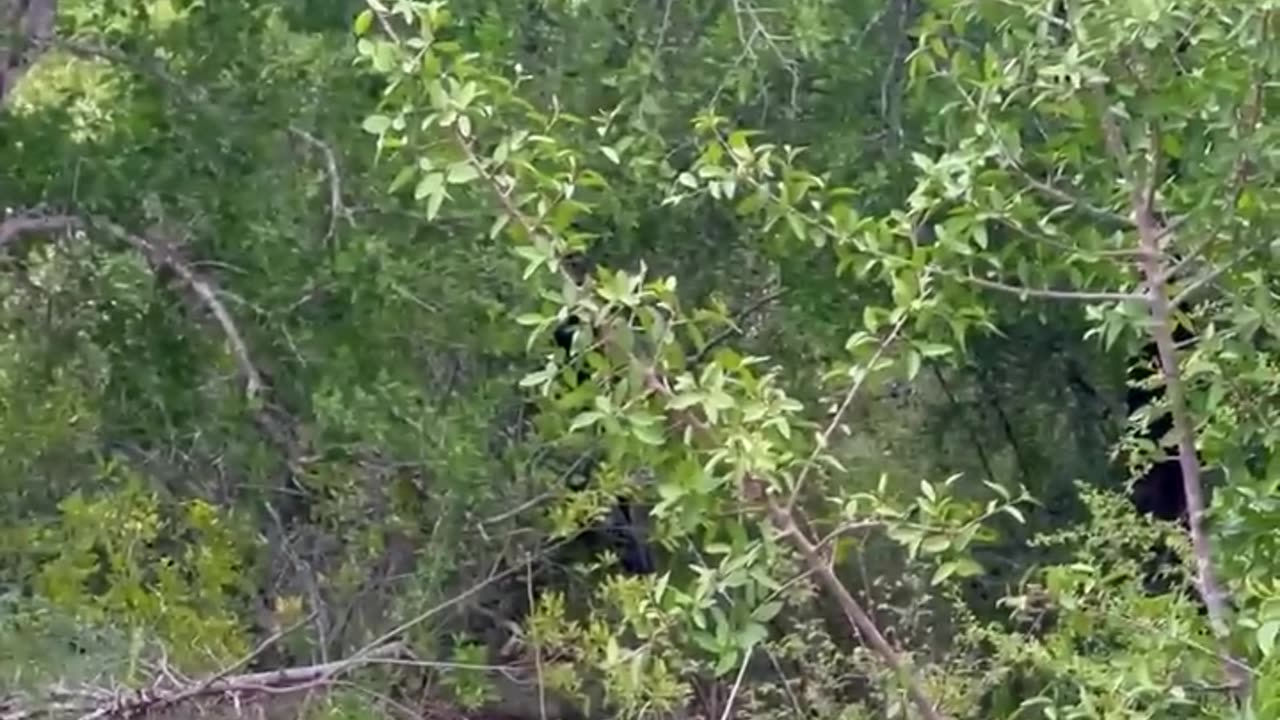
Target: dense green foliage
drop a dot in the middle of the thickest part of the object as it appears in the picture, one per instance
(859, 284)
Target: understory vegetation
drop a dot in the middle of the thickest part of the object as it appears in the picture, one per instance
(551, 359)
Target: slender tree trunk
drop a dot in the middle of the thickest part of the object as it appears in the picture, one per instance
(1161, 330)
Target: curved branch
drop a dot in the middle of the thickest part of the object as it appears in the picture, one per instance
(161, 253)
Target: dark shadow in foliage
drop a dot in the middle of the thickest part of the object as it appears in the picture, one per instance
(623, 528)
(1159, 491)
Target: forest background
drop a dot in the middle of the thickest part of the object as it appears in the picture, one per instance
(929, 347)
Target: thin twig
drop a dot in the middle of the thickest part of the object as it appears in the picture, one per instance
(537, 644)
(738, 317)
(431, 612)
(737, 683)
(825, 438)
(1050, 294)
(1186, 293)
(336, 207)
(970, 428)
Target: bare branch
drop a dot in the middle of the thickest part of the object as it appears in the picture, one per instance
(1113, 138)
(164, 256)
(741, 315)
(1186, 293)
(336, 207)
(1044, 188)
(1069, 199)
(159, 256)
(431, 612)
(118, 706)
(1154, 169)
(16, 225)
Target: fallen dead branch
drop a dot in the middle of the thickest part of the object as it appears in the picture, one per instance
(170, 694)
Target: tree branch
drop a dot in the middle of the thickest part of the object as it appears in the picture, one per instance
(853, 612)
(1050, 294)
(160, 255)
(1161, 331)
(336, 206)
(1069, 199)
(129, 704)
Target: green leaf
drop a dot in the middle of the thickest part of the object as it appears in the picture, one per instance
(935, 544)
(402, 178)
(376, 124)
(927, 490)
(430, 184)
(585, 419)
(498, 224)
(751, 635)
(537, 378)
(766, 612)
(933, 350)
(968, 567)
(727, 662)
(363, 21)
(462, 172)
(1266, 637)
(944, 571)
(434, 202)
(796, 225)
(913, 364)
(648, 434)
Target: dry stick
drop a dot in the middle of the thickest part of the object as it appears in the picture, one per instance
(738, 317)
(336, 206)
(271, 682)
(25, 25)
(537, 646)
(431, 612)
(737, 684)
(970, 428)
